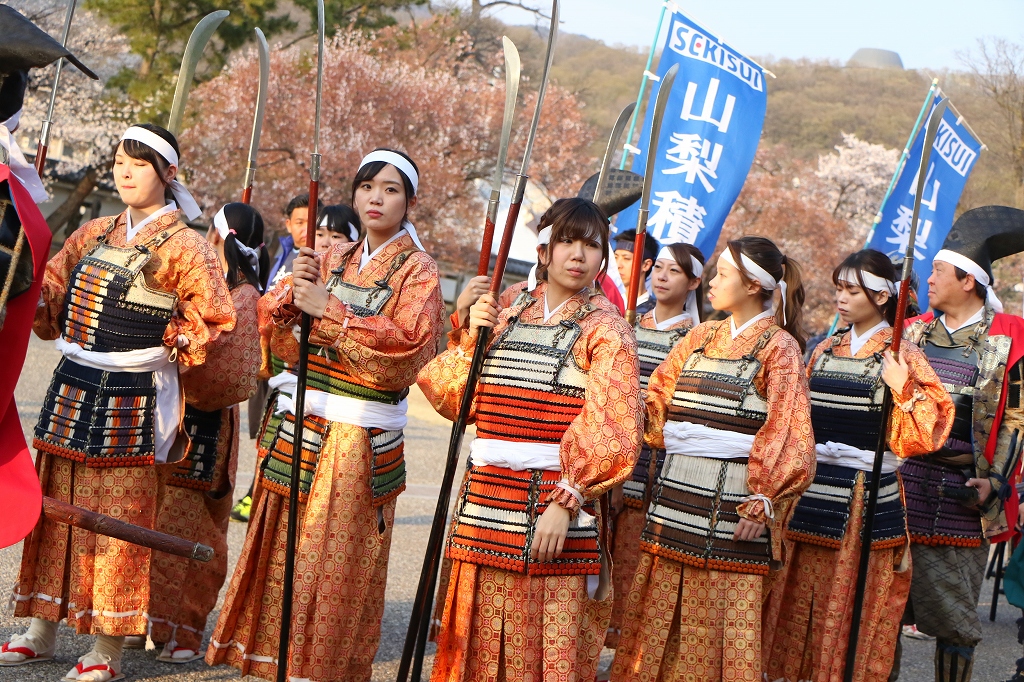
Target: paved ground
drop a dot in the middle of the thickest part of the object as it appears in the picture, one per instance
(426, 445)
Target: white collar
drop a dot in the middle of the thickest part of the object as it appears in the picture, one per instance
(548, 312)
(736, 332)
(973, 319)
(134, 230)
(643, 298)
(662, 326)
(857, 342)
(366, 257)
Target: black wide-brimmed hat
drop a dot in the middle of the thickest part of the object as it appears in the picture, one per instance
(986, 234)
(622, 190)
(23, 45)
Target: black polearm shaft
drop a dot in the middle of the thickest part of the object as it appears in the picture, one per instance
(299, 403)
(883, 433)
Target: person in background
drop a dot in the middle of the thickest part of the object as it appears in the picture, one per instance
(624, 243)
(295, 220)
(336, 224)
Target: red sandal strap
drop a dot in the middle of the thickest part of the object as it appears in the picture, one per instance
(23, 650)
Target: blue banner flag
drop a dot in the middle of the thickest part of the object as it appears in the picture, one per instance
(708, 138)
(954, 154)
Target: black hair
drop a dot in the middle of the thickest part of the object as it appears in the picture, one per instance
(682, 253)
(341, 218)
(651, 245)
(12, 93)
(246, 225)
(574, 219)
(143, 152)
(300, 201)
(979, 289)
(370, 170)
(766, 254)
(877, 263)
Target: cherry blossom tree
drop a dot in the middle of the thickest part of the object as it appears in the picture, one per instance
(856, 178)
(374, 95)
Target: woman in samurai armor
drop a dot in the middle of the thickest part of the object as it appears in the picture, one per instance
(378, 317)
(128, 299)
(196, 499)
(678, 292)
(557, 414)
(730, 407)
(337, 224)
(807, 619)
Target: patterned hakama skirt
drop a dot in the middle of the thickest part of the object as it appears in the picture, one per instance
(184, 591)
(340, 573)
(808, 614)
(101, 584)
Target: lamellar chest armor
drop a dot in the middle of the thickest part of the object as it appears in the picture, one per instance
(109, 308)
(653, 346)
(531, 387)
(693, 512)
(327, 373)
(846, 398)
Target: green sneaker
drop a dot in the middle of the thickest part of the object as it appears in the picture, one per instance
(242, 509)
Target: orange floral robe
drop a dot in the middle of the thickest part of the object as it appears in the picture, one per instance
(629, 523)
(500, 624)
(184, 591)
(341, 558)
(807, 616)
(105, 589)
(700, 624)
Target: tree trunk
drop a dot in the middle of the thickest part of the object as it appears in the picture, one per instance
(475, 10)
(69, 209)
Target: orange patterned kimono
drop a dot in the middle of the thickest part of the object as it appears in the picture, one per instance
(506, 616)
(100, 584)
(345, 534)
(693, 616)
(807, 617)
(196, 503)
(629, 522)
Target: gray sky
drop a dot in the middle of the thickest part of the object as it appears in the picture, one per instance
(927, 35)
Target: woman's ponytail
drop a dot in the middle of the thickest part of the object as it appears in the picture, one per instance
(795, 296)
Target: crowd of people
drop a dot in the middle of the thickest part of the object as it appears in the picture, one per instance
(689, 490)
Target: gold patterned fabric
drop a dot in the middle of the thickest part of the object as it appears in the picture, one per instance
(342, 553)
(500, 624)
(686, 622)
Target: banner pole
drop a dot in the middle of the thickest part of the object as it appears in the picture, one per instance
(643, 88)
(895, 177)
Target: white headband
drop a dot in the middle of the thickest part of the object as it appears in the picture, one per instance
(396, 160)
(164, 149)
(871, 281)
(767, 282)
(544, 236)
(353, 232)
(695, 265)
(220, 222)
(961, 261)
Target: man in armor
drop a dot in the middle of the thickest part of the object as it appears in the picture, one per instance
(962, 497)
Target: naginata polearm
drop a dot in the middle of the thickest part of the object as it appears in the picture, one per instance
(292, 532)
(44, 134)
(419, 622)
(257, 119)
(645, 198)
(201, 35)
(613, 141)
(883, 433)
(512, 73)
